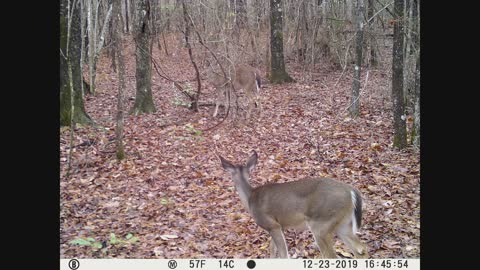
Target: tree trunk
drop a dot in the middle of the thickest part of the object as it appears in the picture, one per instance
(121, 77)
(278, 72)
(415, 26)
(373, 56)
(127, 30)
(349, 11)
(241, 13)
(355, 101)
(188, 26)
(143, 74)
(324, 12)
(399, 125)
(416, 44)
(407, 70)
(301, 34)
(258, 18)
(92, 43)
(112, 46)
(71, 56)
(101, 41)
(96, 45)
(83, 19)
(416, 114)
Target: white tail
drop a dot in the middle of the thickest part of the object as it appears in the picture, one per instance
(240, 76)
(325, 206)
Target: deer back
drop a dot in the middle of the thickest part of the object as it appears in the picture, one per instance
(292, 203)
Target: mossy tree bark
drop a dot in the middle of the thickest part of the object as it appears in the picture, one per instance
(278, 73)
(399, 117)
(72, 58)
(143, 100)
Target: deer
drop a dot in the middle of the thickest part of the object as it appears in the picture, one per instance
(240, 76)
(325, 206)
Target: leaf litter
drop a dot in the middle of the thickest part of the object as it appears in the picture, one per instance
(172, 197)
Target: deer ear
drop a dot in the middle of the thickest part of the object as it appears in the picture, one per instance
(227, 165)
(252, 162)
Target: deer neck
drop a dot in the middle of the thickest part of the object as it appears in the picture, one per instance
(244, 190)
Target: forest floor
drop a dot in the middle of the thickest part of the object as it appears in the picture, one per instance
(170, 197)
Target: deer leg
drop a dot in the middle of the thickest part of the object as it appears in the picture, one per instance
(251, 99)
(346, 234)
(257, 95)
(217, 104)
(273, 248)
(279, 240)
(258, 104)
(323, 234)
(221, 98)
(249, 111)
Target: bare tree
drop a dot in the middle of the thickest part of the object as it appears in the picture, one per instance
(96, 37)
(71, 98)
(188, 28)
(92, 10)
(416, 42)
(278, 72)
(240, 13)
(143, 99)
(355, 104)
(416, 114)
(399, 124)
(117, 39)
(371, 22)
(127, 23)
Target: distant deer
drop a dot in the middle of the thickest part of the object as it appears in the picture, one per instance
(241, 76)
(326, 206)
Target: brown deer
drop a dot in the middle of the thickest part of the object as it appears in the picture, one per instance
(240, 76)
(323, 205)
